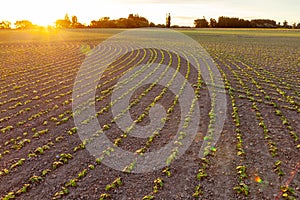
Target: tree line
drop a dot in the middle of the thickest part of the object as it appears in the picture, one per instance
(136, 21)
(234, 22)
(132, 21)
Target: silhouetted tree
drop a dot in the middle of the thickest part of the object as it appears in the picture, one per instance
(103, 22)
(161, 25)
(229, 22)
(136, 21)
(105, 19)
(298, 26)
(201, 23)
(61, 23)
(285, 24)
(5, 25)
(23, 24)
(168, 20)
(263, 23)
(75, 23)
(74, 19)
(244, 23)
(151, 24)
(213, 23)
(64, 23)
(233, 22)
(67, 18)
(121, 23)
(133, 21)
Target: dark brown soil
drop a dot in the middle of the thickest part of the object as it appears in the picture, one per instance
(46, 66)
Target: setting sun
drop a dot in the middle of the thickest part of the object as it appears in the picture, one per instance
(43, 21)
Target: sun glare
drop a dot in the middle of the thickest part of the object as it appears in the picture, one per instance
(44, 22)
(44, 15)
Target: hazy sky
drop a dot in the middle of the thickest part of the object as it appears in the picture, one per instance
(183, 12)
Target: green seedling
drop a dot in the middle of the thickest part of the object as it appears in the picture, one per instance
(198, 191)
(242, 188)
(82, 174)
(71, 183)
(114, 184)
(158, 184)
(23, 189)
(45, 172)
(35, 179)
(104, 196)
(148, 197)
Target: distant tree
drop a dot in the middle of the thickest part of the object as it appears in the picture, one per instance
(75, 23)
(67, 18)
(121, 23)
(5, 25)
(223, 22)
(103, 22)
(132, 16)
(104, 19)
(298, 26)
(201, 23)
(61, 23)
(263, 23)
(93, 24)
(285, 24)
(136, 21)
(161, 25)
(64, 23)
(168, 20)
(151, 24)
(133, 21)
(74, 19)
(23, 24)
(244, 23)
(213, 23)
(232, 22)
